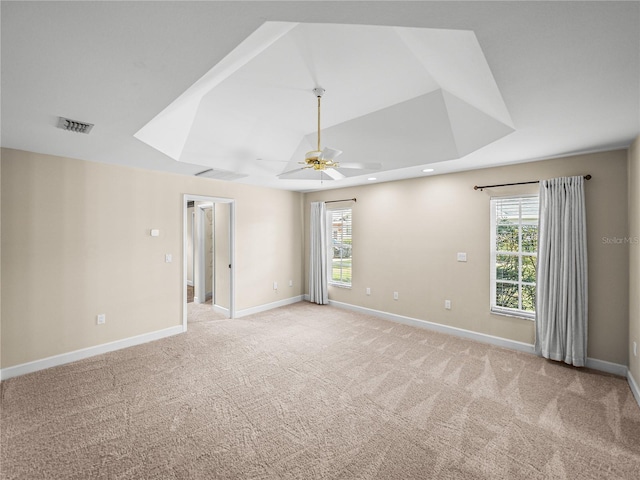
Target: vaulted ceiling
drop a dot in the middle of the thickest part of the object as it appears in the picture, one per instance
(192, 86)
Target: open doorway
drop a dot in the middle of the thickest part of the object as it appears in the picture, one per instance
(208, 258)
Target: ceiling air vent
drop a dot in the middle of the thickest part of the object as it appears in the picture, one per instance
(74, 125)
(220, 175)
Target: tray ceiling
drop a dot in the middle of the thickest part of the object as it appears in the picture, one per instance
(396, 96)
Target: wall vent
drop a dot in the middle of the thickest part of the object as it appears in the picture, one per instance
(74, 125)
(220, 175)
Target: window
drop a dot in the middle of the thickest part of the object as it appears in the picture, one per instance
(514, 253)
(340, 247)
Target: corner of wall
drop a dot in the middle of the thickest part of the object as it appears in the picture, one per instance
(634, 257)
(0, 261)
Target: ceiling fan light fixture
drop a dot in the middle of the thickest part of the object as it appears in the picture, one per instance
(313, 155)
(323, 159)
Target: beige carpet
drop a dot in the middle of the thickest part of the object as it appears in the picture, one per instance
(190, 293)
(314, 392)
(202, 312)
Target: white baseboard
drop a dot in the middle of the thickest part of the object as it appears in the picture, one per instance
(36, 365)
(593, 363)
(76, 355)
(438, 327)
(609, 367)
(222, 310)
(634, 386)
(268, 306)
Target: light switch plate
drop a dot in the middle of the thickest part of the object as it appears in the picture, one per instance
(462, 257)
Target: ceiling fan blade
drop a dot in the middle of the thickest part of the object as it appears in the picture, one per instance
(305, 174)
(268, 160)
(291, 172)
(328, 154)
(362, 166)
(333, 173)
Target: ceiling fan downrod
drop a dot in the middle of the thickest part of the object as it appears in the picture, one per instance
(318, 93)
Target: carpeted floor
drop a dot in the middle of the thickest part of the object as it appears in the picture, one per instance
(190, 293)
(314, 392)
(202, 312)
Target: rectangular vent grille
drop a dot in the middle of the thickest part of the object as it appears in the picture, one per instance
(74, 125)
(220, 175)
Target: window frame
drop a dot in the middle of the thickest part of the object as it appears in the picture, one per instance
(330, 280)
(496, 309)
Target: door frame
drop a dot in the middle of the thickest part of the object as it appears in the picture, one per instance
(232, 234)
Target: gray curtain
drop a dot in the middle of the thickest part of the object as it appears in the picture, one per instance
(561, 294)
(318, 288)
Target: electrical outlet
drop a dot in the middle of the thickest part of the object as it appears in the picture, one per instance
(447, 304)
(101, 319)
(395, 295)
(275, 285)
(368, 291)
(168, 258)
(462, 257)
(291, 283)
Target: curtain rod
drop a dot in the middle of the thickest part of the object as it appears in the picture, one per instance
(345, 200)
(482, 187)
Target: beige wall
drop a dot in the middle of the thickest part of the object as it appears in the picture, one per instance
(634, 257)
(406, 235)
(190, 211)
(76, 234)
(221, 254)
(0, 259)
(208, 253)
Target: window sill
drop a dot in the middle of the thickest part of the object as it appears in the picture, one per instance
(340, 285)
(507, 313)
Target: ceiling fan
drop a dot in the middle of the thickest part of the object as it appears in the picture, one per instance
(323, 160)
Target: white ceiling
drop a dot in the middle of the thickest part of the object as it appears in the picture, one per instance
(390, 102)
(452, 86)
